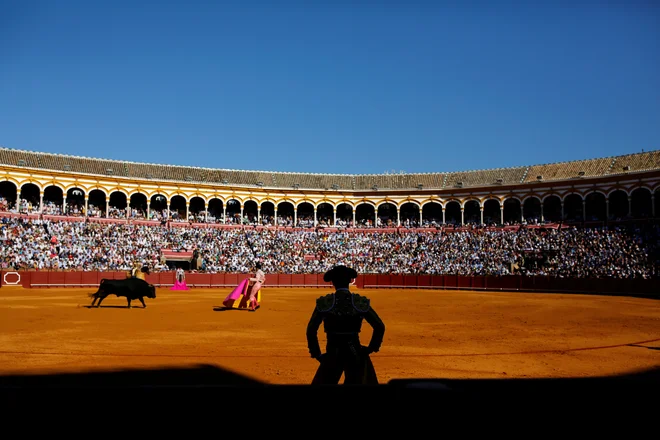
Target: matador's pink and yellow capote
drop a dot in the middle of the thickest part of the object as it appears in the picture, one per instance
(239, 298)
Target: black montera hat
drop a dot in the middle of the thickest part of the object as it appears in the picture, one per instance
(339, 273)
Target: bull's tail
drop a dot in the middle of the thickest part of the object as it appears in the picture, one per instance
(96, 294)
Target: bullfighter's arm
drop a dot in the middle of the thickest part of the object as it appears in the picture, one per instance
(312, 334)
(379, 330)
(259, 277)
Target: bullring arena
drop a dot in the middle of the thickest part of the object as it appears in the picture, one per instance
(491, 321)
(429, 334)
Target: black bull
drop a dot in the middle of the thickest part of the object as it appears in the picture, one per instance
(131, 288)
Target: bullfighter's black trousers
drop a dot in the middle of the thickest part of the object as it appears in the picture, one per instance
(347, 357)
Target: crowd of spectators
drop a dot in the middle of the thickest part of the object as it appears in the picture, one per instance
(621, 252)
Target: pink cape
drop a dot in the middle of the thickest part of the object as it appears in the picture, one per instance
(237, 295)
(180, 285)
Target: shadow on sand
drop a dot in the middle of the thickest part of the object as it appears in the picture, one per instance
(644, 346)
(113, 307)
(228, 309)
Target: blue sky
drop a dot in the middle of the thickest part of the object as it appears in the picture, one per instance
(335, 87)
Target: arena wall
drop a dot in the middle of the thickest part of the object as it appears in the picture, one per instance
(602, 286)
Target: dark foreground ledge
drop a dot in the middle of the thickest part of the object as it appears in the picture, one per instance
(175, 387)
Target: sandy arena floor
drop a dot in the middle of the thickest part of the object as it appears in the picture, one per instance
(451, 334)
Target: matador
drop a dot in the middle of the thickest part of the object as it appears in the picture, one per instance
(342, 313)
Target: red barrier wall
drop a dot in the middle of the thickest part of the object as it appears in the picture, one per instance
(37, 279)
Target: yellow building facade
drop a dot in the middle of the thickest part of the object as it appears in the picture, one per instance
(597, 189)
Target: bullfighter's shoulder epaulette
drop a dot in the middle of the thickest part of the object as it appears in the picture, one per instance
(326, 302)
(361, 303)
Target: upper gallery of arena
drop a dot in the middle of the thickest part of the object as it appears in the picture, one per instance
(601, 189)
(634, 166)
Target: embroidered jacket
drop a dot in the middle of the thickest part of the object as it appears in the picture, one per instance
(342, 314)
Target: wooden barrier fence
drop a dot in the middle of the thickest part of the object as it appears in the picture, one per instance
(45, 279)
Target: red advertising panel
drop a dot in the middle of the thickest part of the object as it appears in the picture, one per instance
(451, 280)
(424, 280)
(383, 280)
(396, 281)
(284, 280)
(198, 280)
(39, 279)
(438, 280)
(89, 278)
(73, 278)
(56, 279)
(478, 282)
(410, 280)
(232, 279)
(463, 282)
(217, 279)
(368, 280)
(271, 280)
(324, 284)
(310, 280)
(153, 278)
